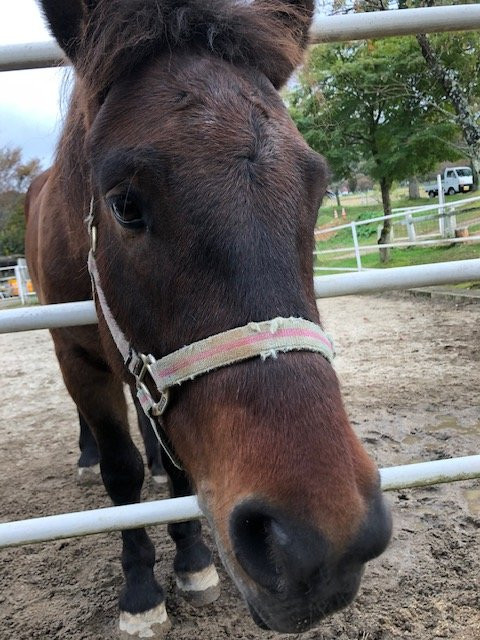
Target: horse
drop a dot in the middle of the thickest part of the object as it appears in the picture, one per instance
(185, 199)
(88, 464)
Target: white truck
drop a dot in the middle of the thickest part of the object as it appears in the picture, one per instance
(454, 180)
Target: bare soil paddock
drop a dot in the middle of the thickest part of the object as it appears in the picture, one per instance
(410, 370)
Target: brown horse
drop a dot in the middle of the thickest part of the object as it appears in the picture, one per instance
(204, 198)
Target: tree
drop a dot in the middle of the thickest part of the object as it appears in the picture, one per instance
(459, 86)
(12, 233)
(452, 80)
(359, 105)
(15, 177)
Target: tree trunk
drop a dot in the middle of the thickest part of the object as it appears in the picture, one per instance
(337, 196)
(447, 79)
(385, 235)
(413, 188)
(475, 165)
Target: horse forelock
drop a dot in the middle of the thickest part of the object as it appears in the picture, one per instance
(120, 36)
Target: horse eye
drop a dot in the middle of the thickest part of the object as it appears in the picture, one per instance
(127, 209)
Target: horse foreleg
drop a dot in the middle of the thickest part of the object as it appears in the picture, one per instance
(196, 577)
(152, 448)
(89, 460)
(101, 401)
(142, 602)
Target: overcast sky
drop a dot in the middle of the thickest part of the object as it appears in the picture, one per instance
(29, 100)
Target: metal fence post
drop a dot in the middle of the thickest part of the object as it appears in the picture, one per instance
(412, 236)
(19, 270)
(452, 222)
(441, 210)
(355, 244)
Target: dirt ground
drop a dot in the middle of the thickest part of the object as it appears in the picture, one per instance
(410, 371)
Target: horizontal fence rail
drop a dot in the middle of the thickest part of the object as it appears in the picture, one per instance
(397, 22)
(72, 314)
(447, 229)
(83, 523)
(48, 316)
(357, 26)
(399, 244)
(377, 280)
(400, 213)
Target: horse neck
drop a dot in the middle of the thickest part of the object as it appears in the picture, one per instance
(71, 164)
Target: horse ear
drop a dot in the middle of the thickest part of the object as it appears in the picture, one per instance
(298, 17)
(66, 20)
(294, 18)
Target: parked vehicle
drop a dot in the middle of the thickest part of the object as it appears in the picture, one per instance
(454, 180)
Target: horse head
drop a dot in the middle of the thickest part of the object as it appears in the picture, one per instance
(205, 198)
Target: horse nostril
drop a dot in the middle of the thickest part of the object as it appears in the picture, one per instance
(254, 534)
(275, 550)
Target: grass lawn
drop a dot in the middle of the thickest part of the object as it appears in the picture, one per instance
(404, 257)
(326, 212)
(367, 235)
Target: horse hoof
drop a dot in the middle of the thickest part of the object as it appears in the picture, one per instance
(89, 475)
(160, 478)
(199, 588)
(153, 624)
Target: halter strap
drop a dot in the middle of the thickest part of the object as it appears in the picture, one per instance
(265, 339)
(256, 339)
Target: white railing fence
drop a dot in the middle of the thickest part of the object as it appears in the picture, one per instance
(337, 28)
(15, 282)
(71, 314)
(409, 219)
(83, 523)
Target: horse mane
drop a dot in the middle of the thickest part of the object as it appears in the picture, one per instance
(121, 35)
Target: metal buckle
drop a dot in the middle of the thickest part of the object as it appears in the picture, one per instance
(147, 361)
(93, 238)
(156, 408)
(159, 407)
(92, 228)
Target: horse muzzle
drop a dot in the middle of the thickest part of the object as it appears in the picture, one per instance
(291, 575)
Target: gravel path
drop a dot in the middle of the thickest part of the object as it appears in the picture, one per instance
(411, 377)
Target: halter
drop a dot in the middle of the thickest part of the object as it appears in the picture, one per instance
(256, 339)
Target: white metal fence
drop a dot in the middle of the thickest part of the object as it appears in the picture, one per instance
(410, 220)
(358, 26)
(85, 523)
(15, 282)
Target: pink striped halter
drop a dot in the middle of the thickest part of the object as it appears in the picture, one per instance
(256, 339)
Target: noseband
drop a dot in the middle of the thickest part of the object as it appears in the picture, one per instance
(256, 339)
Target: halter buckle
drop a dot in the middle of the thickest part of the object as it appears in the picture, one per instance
(93, 238)
(92, 228)
(159, 407)
(152, 408)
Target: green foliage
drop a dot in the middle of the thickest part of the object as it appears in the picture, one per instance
(451, 82)
(15, 177)
(359, 104)
(366, 230)
(12, 232)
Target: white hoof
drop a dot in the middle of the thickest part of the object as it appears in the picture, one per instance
(153, 623)
(199, 588)
(160, 479)
(89, 475)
